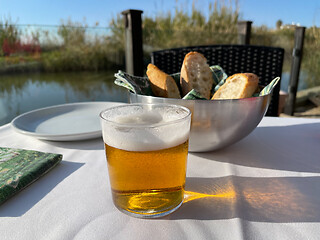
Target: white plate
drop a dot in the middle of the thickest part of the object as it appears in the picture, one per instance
(67, 122)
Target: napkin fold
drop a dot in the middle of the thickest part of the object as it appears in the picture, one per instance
(19, 168)
(141, 85)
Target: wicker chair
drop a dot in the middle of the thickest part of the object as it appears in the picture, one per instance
(264, 61)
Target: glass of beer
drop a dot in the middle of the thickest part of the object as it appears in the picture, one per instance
(146, 147)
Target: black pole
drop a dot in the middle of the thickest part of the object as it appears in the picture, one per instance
(295, 70)
(133, 42)
(244, 32)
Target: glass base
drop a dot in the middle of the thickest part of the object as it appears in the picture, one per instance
(150, 214)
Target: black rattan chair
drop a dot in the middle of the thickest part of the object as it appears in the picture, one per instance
(264, 61)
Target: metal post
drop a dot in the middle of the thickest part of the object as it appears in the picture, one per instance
(244, 32)
(295, 70)
(133, 42)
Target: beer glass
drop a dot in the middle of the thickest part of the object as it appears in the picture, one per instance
(146, 147)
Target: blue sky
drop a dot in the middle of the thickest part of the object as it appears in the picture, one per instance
(50, 12)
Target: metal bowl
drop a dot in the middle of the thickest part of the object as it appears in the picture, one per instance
(219, 123)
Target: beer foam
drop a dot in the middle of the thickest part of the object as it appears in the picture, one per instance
(145, 130)
(140, 119)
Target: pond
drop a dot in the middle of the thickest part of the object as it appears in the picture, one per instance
(20, 93)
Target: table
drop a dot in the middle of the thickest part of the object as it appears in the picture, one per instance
(267, 186)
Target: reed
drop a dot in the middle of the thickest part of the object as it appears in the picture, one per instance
(79, 50)
(216, 26)
(311, 56)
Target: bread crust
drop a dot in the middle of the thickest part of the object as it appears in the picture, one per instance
(162, 84)
(239, 85)
(196, 74)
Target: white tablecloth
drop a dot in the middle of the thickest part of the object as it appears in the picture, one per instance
(267, 186)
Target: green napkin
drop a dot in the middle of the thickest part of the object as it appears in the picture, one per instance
(19, 168)
(193, 95)
(138, 85)
(268, 89)
(141, 85)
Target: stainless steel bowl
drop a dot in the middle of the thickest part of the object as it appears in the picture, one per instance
(219, 123)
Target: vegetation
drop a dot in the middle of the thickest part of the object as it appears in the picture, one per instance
(311, 55)
(73, 47)
(183, 28)
(9, 35)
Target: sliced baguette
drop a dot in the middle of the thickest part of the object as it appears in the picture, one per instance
(240, 85)
(196, 74)
(162, 84)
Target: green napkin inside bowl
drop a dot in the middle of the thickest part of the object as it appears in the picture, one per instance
(141, 85)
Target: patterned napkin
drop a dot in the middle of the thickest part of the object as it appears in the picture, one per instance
(141, 85)
(19, 168)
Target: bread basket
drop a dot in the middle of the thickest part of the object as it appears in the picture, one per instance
(216, 124)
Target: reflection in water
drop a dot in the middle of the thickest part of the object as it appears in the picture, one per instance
(24, 92)
(279, 199)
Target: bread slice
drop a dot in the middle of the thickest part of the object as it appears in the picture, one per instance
(162, 84)
(196, 74)
(240, 85)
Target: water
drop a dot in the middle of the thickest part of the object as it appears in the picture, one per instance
(285, 79)
(20, 93)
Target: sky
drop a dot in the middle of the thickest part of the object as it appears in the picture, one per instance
(51, 12)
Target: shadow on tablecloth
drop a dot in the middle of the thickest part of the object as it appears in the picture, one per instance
(91, 144)
(272, 199)
(30, 196)
(290, 148)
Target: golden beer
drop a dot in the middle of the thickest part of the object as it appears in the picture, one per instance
(146, 182)
(146, 147)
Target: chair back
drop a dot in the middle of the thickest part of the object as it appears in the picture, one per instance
(266, 62)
